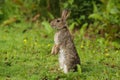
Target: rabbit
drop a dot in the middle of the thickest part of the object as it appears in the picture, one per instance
(64, 45)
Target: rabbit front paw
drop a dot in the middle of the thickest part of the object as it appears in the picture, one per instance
(55, 49)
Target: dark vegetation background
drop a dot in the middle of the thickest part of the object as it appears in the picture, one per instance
(101, 17)
(26, 37)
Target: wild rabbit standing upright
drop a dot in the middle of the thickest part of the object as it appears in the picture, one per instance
(64, 45)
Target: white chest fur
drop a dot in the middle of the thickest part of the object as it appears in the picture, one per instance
(56, 38)
(62, 60)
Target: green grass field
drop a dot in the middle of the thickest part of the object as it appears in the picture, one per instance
(25, 55)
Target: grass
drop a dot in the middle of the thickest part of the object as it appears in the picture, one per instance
(26, 56)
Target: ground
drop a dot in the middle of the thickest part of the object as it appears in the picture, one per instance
(25, 55)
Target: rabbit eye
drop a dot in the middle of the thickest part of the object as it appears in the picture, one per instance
(58, 20)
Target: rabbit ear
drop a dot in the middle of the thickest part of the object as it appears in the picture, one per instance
(65, 14)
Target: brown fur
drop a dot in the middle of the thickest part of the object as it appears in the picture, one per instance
(64, 44)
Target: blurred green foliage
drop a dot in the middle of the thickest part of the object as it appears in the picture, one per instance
(107, 18)
(101, 16)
